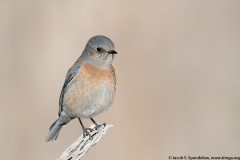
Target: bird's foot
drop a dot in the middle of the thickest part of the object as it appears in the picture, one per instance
(86, 132)
(97, 126)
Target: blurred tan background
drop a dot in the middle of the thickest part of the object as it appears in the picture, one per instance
(178, 71)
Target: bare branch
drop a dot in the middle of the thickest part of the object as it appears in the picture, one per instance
(80, 147)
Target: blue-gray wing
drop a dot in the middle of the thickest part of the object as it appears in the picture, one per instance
(70, 75)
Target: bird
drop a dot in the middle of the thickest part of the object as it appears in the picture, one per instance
(89, 87)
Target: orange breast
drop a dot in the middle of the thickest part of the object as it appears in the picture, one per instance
(96, 75)
(86, 81)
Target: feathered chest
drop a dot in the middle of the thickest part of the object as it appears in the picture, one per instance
(96, 77)
(90, 84)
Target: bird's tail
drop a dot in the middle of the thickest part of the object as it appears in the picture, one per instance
(54, 130)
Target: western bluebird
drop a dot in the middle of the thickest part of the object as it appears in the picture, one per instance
(89, 87)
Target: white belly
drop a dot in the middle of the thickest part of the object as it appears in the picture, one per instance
(96, 102)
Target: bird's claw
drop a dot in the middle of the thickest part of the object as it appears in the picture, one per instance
(97, 126)
(86, 132)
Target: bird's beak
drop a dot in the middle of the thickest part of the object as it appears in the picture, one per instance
(112, 52)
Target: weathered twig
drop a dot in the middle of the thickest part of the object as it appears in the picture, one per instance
(80, 147)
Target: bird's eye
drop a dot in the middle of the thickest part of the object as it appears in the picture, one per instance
(99, 49)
